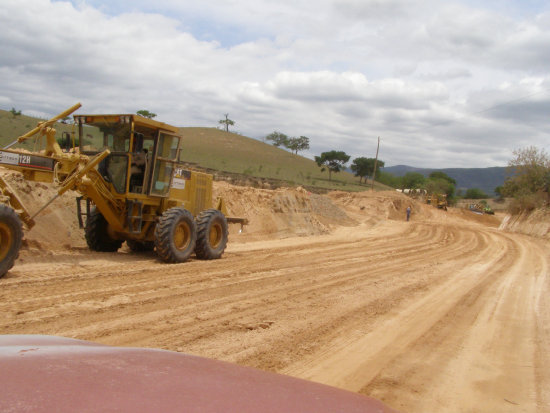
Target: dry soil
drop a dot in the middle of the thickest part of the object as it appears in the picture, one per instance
(445, 313)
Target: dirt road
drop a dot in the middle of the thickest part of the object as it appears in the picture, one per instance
(437, 314)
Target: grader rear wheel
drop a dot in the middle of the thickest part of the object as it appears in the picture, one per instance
(175, 235)
(211, 234)
(11, 235)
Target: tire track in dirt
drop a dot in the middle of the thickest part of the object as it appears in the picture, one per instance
(358, 360)
(106, 320)
(92, 300)
(487, 348)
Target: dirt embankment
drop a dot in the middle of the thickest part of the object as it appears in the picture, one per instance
(273, 213)
(535, 223)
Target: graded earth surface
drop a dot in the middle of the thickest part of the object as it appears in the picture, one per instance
(445, 313)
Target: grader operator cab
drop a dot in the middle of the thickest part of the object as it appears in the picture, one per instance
(133, 188)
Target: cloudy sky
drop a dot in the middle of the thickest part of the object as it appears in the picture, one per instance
(443, 83)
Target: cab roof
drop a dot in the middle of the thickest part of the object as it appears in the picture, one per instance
(137, 119)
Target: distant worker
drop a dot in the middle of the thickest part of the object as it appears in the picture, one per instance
(408, 213)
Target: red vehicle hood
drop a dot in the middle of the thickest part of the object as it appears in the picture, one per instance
(56, 374)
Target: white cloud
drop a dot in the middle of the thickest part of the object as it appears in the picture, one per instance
(421, 74)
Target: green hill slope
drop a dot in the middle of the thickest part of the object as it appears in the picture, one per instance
(218, 150)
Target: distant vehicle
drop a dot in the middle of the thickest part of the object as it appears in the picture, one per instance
(438, 201)
(481, 208)
(56, 374)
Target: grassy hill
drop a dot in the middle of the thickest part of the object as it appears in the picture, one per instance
(228, 153)
(12, 127)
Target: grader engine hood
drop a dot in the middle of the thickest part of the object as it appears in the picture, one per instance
(32, 161)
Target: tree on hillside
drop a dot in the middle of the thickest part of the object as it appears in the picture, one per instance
(475, 193)
(298, 144)
(529, 185)
(15, 112)
(412, 180)
(389, 179)
(441, 185)
(334, 161)
(278, 139)
(364, 167)
(146, 114)
(226, 122)
(441, 175)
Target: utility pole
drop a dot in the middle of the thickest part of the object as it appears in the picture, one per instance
(375, 163)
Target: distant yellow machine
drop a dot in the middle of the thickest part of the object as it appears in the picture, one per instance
(134, 187)
(437, 200)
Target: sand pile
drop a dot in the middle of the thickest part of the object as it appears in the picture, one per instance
(281, 212)
(57, 226)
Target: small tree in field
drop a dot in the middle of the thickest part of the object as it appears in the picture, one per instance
(298, 144)
(334, 161)
(226, 122)
(15, 113)
(364, 167)
(277, 138)
(146, 114)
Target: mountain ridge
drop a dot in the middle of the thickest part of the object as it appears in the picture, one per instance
(486, 179)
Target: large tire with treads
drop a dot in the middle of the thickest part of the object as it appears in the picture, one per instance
(97, 236)
(175, 235)
(11, 235)
(212, 234)
(140, 246)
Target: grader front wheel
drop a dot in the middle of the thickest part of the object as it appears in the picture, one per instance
(97, 234)
(175, 235)
(11, 235)
(212, 234)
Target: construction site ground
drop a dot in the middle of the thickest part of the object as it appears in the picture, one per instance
(445, 313)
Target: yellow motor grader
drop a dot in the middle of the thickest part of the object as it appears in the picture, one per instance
(437, 200)
(133, 188)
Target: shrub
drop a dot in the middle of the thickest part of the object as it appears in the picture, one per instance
(530, 184)
(475, 193)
